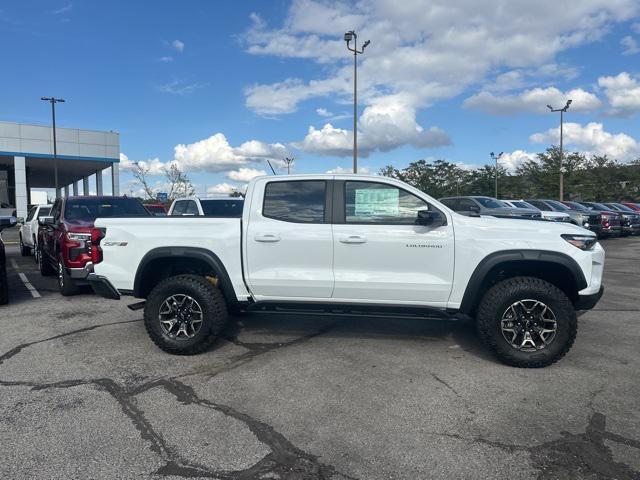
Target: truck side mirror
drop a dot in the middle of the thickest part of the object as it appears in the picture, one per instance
(48, 220)
(7, 222)
(430, 218)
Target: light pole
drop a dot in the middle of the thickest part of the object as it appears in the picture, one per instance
(288, 161)
(495, 158)
(562, 111)
(348, 36)
(53, 101)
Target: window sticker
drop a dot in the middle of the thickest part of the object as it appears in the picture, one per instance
(377, 202)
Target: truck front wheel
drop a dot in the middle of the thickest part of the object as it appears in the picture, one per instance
(185, 314)
(527, 322)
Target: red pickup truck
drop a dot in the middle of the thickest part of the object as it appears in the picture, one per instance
(65, 243)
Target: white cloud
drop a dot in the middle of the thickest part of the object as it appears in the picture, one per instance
(166, 59)
(623, 93)
(323, 112)
(512, 160)
(339, 169)
(534, 101)
(180, 87)
(178, 46)
(154, 165)
(592, 139)
(630, 46)
(65, 9)
(426, 49)
(388, 123)
(225, 189)
(245, 174)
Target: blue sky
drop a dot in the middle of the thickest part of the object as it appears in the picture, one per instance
(234, 83)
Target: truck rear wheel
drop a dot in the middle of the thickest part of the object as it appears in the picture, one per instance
(527, 322)
(185, 314)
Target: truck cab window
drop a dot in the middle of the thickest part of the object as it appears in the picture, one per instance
(299, 201)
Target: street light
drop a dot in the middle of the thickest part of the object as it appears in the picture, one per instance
(348, 36)
(53, 102)
(288, 162)
(495, 158)
(562, 111)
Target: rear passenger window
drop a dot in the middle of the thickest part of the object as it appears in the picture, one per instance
(178, 208)
(192, 208)
(300, 201)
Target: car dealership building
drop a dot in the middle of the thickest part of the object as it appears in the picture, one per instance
(27, 161)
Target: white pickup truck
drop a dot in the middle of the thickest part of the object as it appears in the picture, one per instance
(353, 244)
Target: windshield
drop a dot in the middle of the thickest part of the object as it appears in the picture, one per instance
(523, 204)
(88, 209)
(223, 208)
(44, 211)
(577, 206)
(600, 206)
(487, 202)
(557, 205)
(623, 208)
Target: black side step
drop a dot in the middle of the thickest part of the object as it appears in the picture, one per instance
(349, 310)
(137, 305)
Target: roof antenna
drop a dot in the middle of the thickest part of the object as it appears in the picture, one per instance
(271, 166)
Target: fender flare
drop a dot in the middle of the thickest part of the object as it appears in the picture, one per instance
(472, 292)
(196, 253)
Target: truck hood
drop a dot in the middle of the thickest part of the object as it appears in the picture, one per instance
(521, 228)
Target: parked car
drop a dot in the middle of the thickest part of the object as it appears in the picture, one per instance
(546, 214)
(156, 209)
(602, 208)
(488, 206)
(29, 229)
(601, 224)
(5, 222)
(633, 206)
(221, 207)
(609, 221)
(630, 218)
(65, 242)
(577, 218)
(354, 244)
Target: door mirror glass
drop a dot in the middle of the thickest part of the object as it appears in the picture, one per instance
(48, 220)
(430, 218)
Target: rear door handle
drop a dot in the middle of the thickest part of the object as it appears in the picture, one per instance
(353, 239)
(267, 237)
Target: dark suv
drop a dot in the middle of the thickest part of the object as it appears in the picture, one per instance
(630, 218)
(611, 220)
(65, 242)
(5, 222)
(488, 206)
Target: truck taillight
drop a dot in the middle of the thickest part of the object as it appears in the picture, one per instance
(97, 234)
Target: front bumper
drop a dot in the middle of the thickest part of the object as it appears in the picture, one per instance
(587, 302)
(103, 287)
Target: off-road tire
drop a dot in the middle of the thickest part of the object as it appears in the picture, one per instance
(4, 287)
(46, 270)
(66, 285)
(24, 250)
(496, 301)
(214, 313)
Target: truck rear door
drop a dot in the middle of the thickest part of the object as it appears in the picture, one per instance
(289, 241)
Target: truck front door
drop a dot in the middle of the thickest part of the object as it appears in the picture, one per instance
(289, 243)
(381, 254)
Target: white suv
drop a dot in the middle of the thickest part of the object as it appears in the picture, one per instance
(29, 229)
(220, 207)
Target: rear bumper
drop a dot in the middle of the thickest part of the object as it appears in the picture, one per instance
(81, 273)
(103, 287)
(587, 302)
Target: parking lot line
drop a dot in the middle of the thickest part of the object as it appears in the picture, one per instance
(25, 281)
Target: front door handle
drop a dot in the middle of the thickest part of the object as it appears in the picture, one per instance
(267, 237)
(353, 239)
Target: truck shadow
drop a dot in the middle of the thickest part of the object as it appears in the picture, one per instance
(266, 331)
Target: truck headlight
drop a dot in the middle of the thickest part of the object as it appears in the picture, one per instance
(583, 242)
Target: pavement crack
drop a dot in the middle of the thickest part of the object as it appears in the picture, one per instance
(14, 351)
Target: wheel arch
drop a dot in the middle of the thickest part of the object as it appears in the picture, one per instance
(163, 262)
(557, 268)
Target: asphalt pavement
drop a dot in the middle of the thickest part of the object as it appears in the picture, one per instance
(85, 394)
